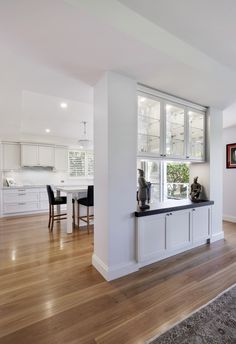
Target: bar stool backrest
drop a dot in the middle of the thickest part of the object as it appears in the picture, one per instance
(51, 196)
(90, 195)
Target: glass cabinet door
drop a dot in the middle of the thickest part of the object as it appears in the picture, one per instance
(196, 129)
(175, 131)
(148, 125)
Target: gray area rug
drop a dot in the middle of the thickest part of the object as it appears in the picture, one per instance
(215, 323)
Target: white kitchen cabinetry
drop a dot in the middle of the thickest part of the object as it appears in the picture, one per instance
(61, 159)
(170, 128)
(29, 155)
(24, 200)
(201, 223)
(164, 235)
(10, 156)
(37, 155)
(46, 156)
(178, 230)
(152, 240)
(196, 135)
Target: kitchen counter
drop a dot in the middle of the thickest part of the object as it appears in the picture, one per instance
(171, 205)
(28, 186)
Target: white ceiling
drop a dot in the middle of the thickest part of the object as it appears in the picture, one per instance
(183, 47)
(40, 112)
(207, 25)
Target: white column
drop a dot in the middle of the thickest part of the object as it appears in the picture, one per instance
(216, 171)
(115, 145)
(210, 173)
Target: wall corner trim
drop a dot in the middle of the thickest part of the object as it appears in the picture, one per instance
(116, 271)
(229, 218)
(217, 236)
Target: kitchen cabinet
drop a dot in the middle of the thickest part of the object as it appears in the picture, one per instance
(61, 159)
(175, 131)
(166, 234)
(37, 155)
(196, 135)
(10, 156)
(178, 230)
(152, 238)
(169, 129)
(29, 155)
(149, 117)
(201, 223)
(46, 156)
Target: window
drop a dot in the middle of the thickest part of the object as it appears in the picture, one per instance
(177, 180)
(81, 163)
(169, 180)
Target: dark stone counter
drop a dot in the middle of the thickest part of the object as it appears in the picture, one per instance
(171, 205)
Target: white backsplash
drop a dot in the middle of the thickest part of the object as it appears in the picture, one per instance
(42, 176)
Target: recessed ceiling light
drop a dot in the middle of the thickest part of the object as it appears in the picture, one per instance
(48, 130)
(142, 99)
(64, 105)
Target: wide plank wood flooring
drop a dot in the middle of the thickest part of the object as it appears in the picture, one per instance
(50, 292)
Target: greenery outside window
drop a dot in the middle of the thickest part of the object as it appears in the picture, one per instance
(170, 180)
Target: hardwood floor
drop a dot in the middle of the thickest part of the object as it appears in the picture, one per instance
(50, 293)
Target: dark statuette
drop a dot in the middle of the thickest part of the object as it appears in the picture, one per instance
(142, 191)
(196, 190)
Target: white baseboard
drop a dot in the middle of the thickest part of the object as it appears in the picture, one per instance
(217, 236)
(116, 271)
(229, 218)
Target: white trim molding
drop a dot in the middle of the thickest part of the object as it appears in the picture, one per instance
(217, 236)
(229, 218)
(116, 271)
(152, 91)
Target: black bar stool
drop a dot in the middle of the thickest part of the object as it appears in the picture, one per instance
(86, 202)
(57, 201)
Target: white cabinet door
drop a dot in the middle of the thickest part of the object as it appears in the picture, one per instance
(178, 230)
(175, 131)
(46, 156)
(29, 155)
(61, 159)
(201, 223)
(196, 135)
(151, 237)
(11, 156)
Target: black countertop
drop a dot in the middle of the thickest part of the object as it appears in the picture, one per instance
(171, 205)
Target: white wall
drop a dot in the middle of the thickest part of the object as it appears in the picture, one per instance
(229, 178)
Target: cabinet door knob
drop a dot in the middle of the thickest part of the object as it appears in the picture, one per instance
(170, 213)
(194, 209)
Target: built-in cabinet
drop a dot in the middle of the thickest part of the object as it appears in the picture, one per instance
(37, 155)
(170, 130)
(163, 235)
(10, 156)
(23, 200)
(14, 155)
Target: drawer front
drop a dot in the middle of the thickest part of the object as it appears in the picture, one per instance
(19, 197)
(43, 196)
(27, 197)
(9, 208)
(43, 205)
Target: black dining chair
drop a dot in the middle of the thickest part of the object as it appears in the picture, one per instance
(57, 201)
(86, 202)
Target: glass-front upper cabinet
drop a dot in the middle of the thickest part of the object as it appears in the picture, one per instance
(149, 114)
(196, 135)
(175, 131)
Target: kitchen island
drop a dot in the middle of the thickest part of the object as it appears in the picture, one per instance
(171, 227)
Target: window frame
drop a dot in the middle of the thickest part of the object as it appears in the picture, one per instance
(86, 163)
